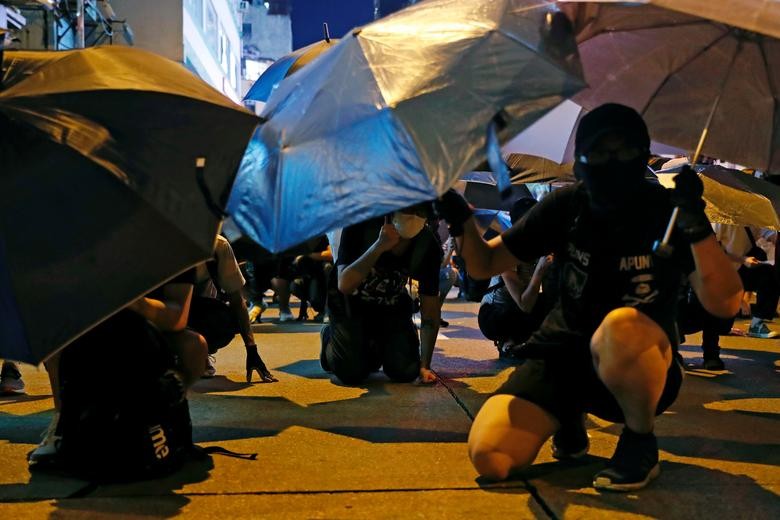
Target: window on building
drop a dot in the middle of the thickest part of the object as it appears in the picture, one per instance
(195, 8)
(246, 30)
(211, 28)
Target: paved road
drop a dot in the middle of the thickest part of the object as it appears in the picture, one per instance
(386, 450)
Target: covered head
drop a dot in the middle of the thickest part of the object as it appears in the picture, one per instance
(611, 149)
(410, 221)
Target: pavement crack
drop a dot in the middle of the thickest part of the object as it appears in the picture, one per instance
(539, 500)
(454, 396)
(526, 484)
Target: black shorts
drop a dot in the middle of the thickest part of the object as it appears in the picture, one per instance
(568, 387)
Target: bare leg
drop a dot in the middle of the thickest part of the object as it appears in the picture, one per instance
(282, 288)
(632, 354)
(507, 434)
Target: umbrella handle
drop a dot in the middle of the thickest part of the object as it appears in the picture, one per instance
(216, 209)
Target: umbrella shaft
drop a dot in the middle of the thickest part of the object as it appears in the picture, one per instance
(670, 226)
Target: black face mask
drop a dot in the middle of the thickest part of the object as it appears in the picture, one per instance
(612, 186)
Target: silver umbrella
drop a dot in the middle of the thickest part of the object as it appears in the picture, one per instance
(397, 111)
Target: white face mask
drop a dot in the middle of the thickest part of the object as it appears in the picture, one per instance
(408, 226)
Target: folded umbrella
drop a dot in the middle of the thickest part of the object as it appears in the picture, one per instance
(397, 111)
(99, 197)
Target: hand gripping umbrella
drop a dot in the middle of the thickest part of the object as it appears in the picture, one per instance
(100, 199)
(703, 74)
(397, 111)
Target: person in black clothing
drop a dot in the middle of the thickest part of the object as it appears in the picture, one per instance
(514, 307)
(608, 345)
(369, 306)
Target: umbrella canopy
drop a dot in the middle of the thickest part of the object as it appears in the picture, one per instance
(99, 197)
(734, 197)
(397, 111)
(671, 61)
(530, 168)
(283, 67)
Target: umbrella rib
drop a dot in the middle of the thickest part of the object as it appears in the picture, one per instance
(681, 67)
(773, 90)
(653, 27)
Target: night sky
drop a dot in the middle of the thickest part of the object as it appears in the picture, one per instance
(341, 15)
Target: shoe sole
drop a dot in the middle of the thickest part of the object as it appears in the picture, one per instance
(570, 456)
(762, 336)
(605, 485)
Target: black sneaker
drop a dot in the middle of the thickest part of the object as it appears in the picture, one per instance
(634, 464)
(714, 363)
(571, 441)
(324, 339)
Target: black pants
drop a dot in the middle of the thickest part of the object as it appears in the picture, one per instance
(505, 321)
(311, 283)
(762, 279)
(370, 337)
(693, 317)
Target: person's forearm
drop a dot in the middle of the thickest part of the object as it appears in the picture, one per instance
(354, 274)
(531, 294)
(429, 330)
(718, 285)
(238, 306)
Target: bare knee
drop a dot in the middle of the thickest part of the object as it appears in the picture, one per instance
(625, 333)
(507, 434)
(493, 465)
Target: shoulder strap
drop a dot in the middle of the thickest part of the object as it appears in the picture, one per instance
(750, 236)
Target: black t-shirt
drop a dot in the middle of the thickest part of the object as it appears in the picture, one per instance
(605, 263)
(386, 282)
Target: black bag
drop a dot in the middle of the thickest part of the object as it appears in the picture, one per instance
(213, 319)
(124, 414)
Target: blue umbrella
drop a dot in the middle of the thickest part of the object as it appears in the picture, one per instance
(397, 111)
(286, 65)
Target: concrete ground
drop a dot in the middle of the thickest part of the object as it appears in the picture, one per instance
(386, 450)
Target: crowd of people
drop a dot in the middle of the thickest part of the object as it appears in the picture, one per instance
(577, 300)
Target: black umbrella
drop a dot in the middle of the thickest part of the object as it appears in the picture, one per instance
(99, 196)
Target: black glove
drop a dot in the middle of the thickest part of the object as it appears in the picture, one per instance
(453, 208)
(686, 195)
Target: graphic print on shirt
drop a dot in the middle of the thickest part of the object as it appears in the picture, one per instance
(383, 286)
(642, 291)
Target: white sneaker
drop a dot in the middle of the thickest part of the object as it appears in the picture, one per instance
(211, 370)
(285, 316)
(760, 330)
(11, 379)
(50, 444)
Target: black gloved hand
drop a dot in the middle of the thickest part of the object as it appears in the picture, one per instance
(453, 208)
(686, 195)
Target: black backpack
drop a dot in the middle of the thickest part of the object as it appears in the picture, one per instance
(124, 414)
